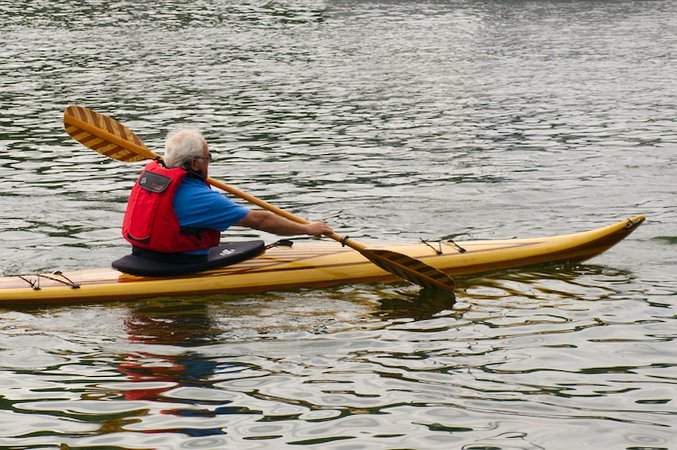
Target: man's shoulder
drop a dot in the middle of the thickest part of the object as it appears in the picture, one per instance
(194, 184)
(192, 190)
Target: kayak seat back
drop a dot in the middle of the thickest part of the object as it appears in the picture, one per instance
(152, 264)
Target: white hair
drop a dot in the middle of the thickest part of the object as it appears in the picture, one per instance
(182, 146)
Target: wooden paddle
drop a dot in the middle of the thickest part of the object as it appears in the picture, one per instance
(109, 137)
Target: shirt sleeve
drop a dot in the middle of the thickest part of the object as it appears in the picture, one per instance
(198, 206)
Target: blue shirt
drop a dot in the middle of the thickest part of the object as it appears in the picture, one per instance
(198, 206)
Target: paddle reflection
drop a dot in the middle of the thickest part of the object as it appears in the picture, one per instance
(422, 304)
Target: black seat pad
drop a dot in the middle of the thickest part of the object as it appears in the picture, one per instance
(151, 264)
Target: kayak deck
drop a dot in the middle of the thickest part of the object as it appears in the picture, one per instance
(312, 264)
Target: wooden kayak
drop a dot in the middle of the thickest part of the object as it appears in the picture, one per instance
(311, 264)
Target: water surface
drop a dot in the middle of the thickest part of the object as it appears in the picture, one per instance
(395, 121)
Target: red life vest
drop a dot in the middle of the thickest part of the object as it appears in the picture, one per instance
(150, 221)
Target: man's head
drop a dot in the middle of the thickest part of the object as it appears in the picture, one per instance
(187, 148)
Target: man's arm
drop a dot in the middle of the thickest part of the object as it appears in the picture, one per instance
(272, 223)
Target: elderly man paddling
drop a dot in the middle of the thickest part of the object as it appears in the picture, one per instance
(171, 208)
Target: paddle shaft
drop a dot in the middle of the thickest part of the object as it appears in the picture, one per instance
(106, 135)
(280, 212)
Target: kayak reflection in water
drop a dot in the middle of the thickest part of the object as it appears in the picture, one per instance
(163, 360)
(171, 326)
(172, 209)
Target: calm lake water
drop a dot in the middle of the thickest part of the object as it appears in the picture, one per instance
(395, 121)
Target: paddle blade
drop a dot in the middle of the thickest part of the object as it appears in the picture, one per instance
(410, 269)
(104, 135)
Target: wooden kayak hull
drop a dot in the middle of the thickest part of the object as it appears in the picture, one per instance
(311, 264)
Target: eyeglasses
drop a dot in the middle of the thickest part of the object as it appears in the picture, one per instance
(209, 157)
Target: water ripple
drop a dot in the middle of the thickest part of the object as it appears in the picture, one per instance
(396, 120)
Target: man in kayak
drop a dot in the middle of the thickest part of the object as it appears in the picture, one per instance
(172, 209)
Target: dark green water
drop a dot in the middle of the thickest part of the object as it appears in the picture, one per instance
(396, 121)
